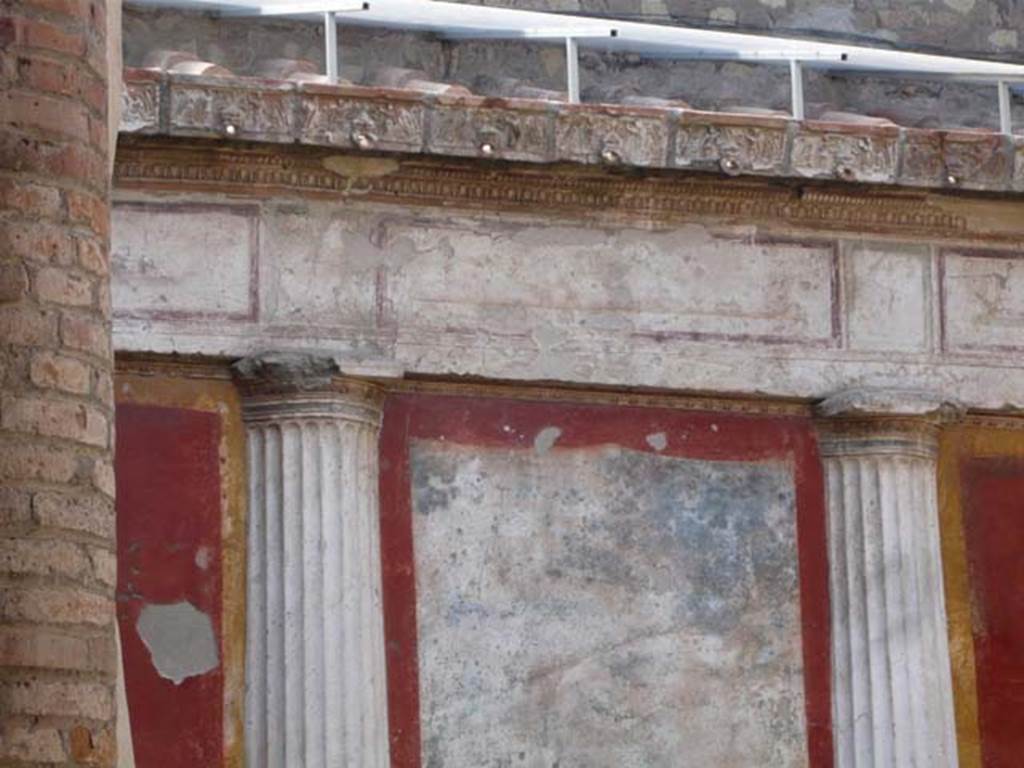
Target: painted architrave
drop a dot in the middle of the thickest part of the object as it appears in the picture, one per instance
(204, 396)
(971, 455)
(477, 422)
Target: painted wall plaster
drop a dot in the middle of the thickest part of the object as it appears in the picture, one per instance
(602, 607)
(967, 521)
(225, 563)
(583, 598)
(746, 309)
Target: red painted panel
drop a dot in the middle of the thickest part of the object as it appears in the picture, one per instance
(993, 511)
(482, 422)
(168, 528)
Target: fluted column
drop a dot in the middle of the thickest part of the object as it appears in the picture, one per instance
(315, 669)
(891, 682)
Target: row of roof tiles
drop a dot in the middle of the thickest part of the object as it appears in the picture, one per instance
(405, 111)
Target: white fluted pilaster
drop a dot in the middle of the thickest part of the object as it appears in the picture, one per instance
(891, 680)
(315, 667)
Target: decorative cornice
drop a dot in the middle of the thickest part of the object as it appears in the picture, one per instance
(650, 199)
(349, 118)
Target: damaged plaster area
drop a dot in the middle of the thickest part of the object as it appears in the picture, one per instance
(602, 607)
(180, 640)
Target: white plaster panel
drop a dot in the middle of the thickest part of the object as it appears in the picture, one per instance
(320, 268)
(475, 276)
(887, 290)
(184, 260)
(983, 307)
(605, 608)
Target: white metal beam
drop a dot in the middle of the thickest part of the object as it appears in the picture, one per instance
(572, 70)
(331, 46)
(1005, 113)
(796, 85)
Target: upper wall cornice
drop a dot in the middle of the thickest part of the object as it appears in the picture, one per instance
(357, 119)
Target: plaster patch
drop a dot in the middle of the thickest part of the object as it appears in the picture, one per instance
(723, 15)
(1004, 39)
(658, 441)
(203, 558)
(545, 439)
(360, 167)
(180, 640)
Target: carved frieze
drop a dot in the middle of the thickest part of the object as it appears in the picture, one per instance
(611, 136)
(204, 108)
(745, 146)
(822, 150)
(470, 127)
(393, 124)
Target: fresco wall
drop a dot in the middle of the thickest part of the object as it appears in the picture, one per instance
(181, 548)
(603, 586)
(578, 580)
(981, 483)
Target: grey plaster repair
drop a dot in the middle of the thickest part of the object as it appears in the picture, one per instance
(180, 640)
(600, 607)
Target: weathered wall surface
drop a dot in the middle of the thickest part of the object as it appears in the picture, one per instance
(57, 565)
(602, 586)
(984, 28)
(728, 308)
(603, 607)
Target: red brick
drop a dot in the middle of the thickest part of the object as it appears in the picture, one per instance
(37, 241)
(41, 415)
(86, 513)
(93, 747)
(33, 33)
(15, 507)
(49, 648)
(43, 557)
(29, 198)
(27, 461)
(92, 256)
(27, 325)
(45, 605)
(89, 210)
(64, 78)
(75, 9)
(57, 160)
(30, 743)
(56, 544)
(86, 334)
(104, 566)
(103, 477)
(58, 286)
(13, 282)
(67, 699)
(35, 111)
(103, 387)
(50, 370)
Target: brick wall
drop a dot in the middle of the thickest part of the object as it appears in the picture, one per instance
(57, 563)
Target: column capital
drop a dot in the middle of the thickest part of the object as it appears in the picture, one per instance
(879, 420)
(283, 385)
